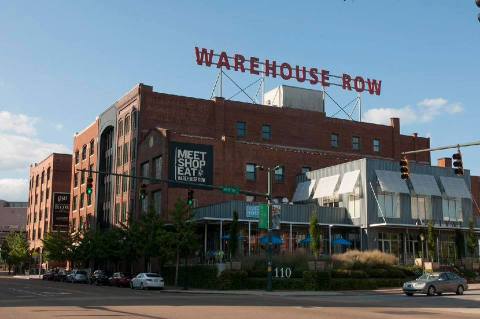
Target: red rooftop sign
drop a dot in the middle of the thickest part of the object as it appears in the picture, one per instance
(286, 71)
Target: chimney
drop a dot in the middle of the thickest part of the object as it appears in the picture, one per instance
(444, 162)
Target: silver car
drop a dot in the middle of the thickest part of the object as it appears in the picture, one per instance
(77, 276)
(435, 284)
(147, 280)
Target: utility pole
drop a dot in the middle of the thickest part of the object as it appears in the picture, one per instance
(269, 248)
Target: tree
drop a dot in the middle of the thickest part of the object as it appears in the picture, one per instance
(185, 241)
(17, 250)
(472, 241)
(55, 246)
(431, 241)
(233, 240)
(315, 242)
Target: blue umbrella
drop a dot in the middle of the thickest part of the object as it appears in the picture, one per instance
(306, 241)
(227, 237)
(342, 242)
(275, 240)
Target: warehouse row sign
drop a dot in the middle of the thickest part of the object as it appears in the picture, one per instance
(190, 163)
(60, 211)
(287, 71)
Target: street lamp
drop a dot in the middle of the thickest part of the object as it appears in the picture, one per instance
(269, 204)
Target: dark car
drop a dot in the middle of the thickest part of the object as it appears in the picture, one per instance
(61, 275)
(435, 284)
(120, 279)
(49, 275)
(99, 277)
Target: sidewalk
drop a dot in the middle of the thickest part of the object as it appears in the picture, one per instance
(301, 293)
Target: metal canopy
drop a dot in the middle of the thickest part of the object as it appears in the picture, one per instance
(326, 186)
(425, 185)
(455, 187)
(348, 183)
(391, 182)
(303, 191)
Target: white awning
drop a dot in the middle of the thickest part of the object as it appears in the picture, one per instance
(303, 191)
(391, 182)
(455, 187)
(348, 183)
(425, 185)
(326, 186)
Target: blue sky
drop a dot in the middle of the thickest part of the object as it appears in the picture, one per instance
(63, 62)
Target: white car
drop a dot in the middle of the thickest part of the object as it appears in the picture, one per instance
(147, 280)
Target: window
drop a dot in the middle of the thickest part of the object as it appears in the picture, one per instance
(241, 129)
(82, 200)
(133, 148)
(41, 196)
(389, 243)
(43, 177)
(46, 213)
(91, 167)
(82, 178)
(250, 172)
(40, 216)
(47, 194)
(144, 204)
(334, 140)
(127, 125)
(124, 184)
(157, 202)
(77, 157)
(84, 152)
(132, 180)
(376, 145)
(355, 143)
(75, 179)
(117, 213)
(421, 207)
(74, 203)
(279, 174)
(119, 155)
(48, 174)
(35, 217)
(74, 224)
(89, 199)
(125, 153)
(389, 205)
(92, 147)
(117, 184)
(452, 209)
(39, 233)
(249, 198)
(134, 120)
(124, 211)
(157, 166)
(266, 132)
(354, 206)
(120, 128)
(81, 223)
(306, 169)
(145, 167)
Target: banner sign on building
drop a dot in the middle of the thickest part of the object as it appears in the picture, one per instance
(190, 163)
(271, 68)
(60, 211)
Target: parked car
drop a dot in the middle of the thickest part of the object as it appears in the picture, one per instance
(147, 280)
(49, 275)
(436, 284)
(61, 275)
(120, 279)
(77, 276)
(99, 277)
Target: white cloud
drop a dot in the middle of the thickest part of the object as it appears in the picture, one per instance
(14, 189)
(425, 111)
(17, 123)
(18, 152)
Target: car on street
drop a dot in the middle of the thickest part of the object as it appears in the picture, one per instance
(436, 283)
(99, 277)
(120, 279)
(60, 275)
(77, 276)
(146, 281)
(49, 275)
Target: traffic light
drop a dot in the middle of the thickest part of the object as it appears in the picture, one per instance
(457, 163)
(190, 197)
(89, 185)
(404, 168)
(143, 191)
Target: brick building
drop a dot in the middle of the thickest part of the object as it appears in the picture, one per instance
(47, 178)
(135, 133)
(13, 218)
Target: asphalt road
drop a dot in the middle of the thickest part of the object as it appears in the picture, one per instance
(24, 299)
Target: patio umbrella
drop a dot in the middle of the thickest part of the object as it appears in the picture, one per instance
(275, 240)
(306, 241)
(227, 237)
(342, 242)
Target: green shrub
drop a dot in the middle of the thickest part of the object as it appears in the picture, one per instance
(232, 280)
(316, 280)
(199, 276)
(256, 266)
(346, 273)
(355, 259)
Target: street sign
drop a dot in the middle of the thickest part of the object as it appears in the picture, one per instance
(252, 211)
(263, 217)
(233, 190)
